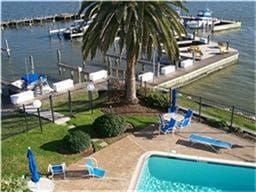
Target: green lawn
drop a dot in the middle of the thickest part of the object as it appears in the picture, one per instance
(48, 147)
(140, 122)
(79, 102)
(16, 123)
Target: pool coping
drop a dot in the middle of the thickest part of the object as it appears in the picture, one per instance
(146, 155)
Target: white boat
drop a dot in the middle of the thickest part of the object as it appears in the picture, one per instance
(76, 30)
(204, 18)
(34, 82)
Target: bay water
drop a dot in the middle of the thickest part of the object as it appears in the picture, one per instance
(234, 85)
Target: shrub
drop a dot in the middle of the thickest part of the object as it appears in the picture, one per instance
(109, 125)
(77, 141)
(13, 184)
(157, 100)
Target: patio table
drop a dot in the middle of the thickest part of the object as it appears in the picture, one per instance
(176, 116)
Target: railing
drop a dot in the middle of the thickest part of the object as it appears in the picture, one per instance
(72, 102)
(17, 122)
(232, 116)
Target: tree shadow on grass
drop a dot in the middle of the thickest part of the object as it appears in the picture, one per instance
(55, 146)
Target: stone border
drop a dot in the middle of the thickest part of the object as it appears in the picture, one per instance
(136, 175)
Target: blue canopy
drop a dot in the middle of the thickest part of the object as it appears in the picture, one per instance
(32, 166)
(173, 103)
(30, 77)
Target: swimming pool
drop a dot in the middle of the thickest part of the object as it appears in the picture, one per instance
(159, 171)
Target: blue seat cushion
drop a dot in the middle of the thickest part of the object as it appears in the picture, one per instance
(57, 169)
(98, 172)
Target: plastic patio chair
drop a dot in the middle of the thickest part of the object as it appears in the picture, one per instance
(186, 121)
(57, 169)
(93, 169)
(168, 127)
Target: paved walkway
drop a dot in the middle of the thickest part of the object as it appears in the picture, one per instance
(59, 118)
(120, 158)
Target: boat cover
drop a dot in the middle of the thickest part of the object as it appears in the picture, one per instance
(30, 77)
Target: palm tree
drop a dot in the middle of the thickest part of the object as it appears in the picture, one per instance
(141, 26)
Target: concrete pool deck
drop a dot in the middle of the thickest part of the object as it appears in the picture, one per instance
(120, 159)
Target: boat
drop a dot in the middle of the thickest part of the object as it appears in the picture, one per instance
(204, 18)
(34, 82)
(76, 30)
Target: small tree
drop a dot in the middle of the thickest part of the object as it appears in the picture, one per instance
(77, 141)
(109, 125)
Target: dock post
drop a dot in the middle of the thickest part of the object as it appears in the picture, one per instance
(50, 98)
(158, 68)
(7, 48)
(84, 64)
(79, 70)
(143, 67)
(59, 56)
(116, 65)
(208, 39)
(60, 71)
(123, 78)
(110, 67)
(72, 74)
(194, 56)
(49, 31)
(31, 60)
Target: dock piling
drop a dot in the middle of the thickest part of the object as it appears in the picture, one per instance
(31, 60)
(7, 48)
(59, 56)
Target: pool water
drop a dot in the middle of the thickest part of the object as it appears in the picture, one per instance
(160, 173)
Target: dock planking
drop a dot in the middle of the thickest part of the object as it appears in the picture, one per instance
(40, 20)
(47, 114)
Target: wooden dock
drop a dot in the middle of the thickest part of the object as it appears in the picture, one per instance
(59, 118)
(200, 69)
(212, 60)
(226, 24)
(40, 20)
(223, 25)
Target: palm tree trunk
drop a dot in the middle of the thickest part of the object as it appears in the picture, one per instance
(131, 81)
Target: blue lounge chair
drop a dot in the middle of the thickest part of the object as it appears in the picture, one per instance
(209, 141)
(168, 127)
(57, 169)
(93, 169)
(186, 121)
